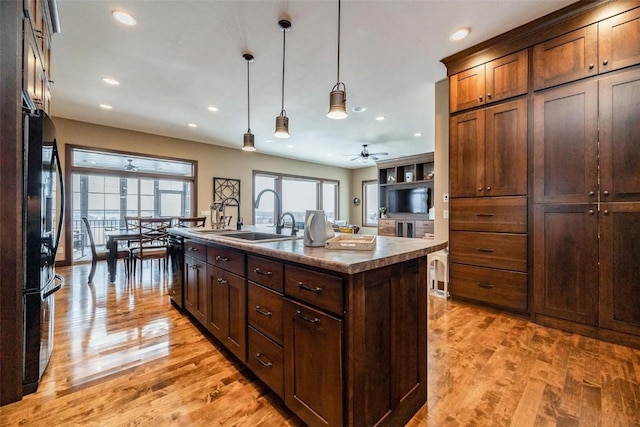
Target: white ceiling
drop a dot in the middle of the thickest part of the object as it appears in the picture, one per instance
(183, 56)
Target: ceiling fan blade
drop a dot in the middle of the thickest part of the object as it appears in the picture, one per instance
(379, 154)
(355, 158)
(374, 158)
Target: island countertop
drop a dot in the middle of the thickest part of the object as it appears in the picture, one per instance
(388, 250)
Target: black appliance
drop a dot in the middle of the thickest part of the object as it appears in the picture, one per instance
(43, 217)
(176, 262)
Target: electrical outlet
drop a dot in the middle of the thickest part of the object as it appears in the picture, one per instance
(445, 198)
(445, 213)
(206, 213)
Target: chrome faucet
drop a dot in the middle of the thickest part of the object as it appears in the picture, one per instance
(294, 229)
(278, 207)
(224, 204)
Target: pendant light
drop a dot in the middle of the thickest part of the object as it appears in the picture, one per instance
(338, 97)
(282, 121)
(249, 141)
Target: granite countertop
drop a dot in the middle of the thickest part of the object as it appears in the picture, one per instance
(388, 250)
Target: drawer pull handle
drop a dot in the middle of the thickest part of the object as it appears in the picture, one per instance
(305, 318)
(484, 285)
(263, 363)
(221, 258)
(484, 214)
(221, 281)
(307, 288)
(263, 273)
(192, 249)
(484, 250)
(259, 310)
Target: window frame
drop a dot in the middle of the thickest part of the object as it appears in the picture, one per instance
(365, 201)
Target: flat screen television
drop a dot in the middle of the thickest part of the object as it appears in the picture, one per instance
(410, 200)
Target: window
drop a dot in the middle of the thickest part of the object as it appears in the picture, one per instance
(370, 205)
(298, 193)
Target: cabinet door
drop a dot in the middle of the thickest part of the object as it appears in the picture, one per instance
(466, 154)
(387, 227)
(620, 137)
(405, 229)
(566, 58)
(467, 89)
(218, 310)
(236, 339)
(506, 77)
(195, 290)
(505, 168)
(313, 365)
(565, 258)
(565, 148)
(619, 41)
(619, 261)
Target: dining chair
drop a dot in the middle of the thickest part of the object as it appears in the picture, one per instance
(102, 255)
(152, 241)
(190, 222)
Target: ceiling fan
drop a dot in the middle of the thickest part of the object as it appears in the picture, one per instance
(365, 155)
(130, 167)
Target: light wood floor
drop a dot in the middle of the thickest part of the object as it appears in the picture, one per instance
(124, 357)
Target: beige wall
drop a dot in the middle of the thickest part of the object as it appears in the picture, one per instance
(441, 153)
(212, 161)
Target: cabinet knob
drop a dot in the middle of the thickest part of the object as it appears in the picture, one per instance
(606, 212)
(480, 188)
(591, 66)
(480, 98)
(489, 96)
(605, 62)
(488, 188)
(592, 193)
(605, 193)
(591, 212)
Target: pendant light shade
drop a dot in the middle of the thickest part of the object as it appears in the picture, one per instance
(282, 121)
(249, 140)
(338, 96)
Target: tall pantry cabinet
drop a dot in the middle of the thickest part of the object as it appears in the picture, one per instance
(582, 186)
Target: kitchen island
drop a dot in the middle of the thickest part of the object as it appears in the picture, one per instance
(339, 335)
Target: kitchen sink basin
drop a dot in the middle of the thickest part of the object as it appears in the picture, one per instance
(257, 236)
(209, 230)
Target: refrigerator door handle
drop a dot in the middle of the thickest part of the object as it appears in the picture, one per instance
(58, 278)
(56, 156)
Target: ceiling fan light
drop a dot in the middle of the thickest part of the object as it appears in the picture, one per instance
(337, 104)
(249, 142)
(282, 126)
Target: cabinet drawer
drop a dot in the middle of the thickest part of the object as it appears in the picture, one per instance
(195, 250)
(423, 227)
(498, 287)
(499, 214)
(266, 360)
(319, 289)
(387, 227)
(265, 311)
(227, 259)
(265, 272)
(495, 250)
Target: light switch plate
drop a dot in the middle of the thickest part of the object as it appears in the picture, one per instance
(445, 213)
(445, 197)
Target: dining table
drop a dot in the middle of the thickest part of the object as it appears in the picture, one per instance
(113, 239)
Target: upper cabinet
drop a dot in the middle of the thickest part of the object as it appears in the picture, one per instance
(609, 45)
(493, 81)
(488, 151)
(38, 30)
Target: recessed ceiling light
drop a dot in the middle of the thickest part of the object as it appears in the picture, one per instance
(290, 146)
(106, 106)
(329, 154)
(417, 134)
(212, 109)
(123, 18)
(192, 125)
(359, 109)
(380, 118)
(269, 141)
(460, 34)
(110, 81)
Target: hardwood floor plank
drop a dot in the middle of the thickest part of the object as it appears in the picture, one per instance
(125, 357)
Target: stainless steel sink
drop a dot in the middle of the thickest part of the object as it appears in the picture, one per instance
(257, 236)
(210, 231)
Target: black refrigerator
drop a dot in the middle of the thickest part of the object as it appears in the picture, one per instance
(43, 217)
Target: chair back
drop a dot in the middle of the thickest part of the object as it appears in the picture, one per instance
(191, 222)
(90, 235)
(153, 231)
(131, 222)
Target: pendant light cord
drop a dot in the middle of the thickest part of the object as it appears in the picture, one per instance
(248, 102)
(284, 41)
(338, 80)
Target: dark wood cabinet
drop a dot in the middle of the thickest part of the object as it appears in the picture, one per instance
(313, 364)
(488, 151)
(195, 288)
(619, 41)
(565, 270)
(494, 81)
